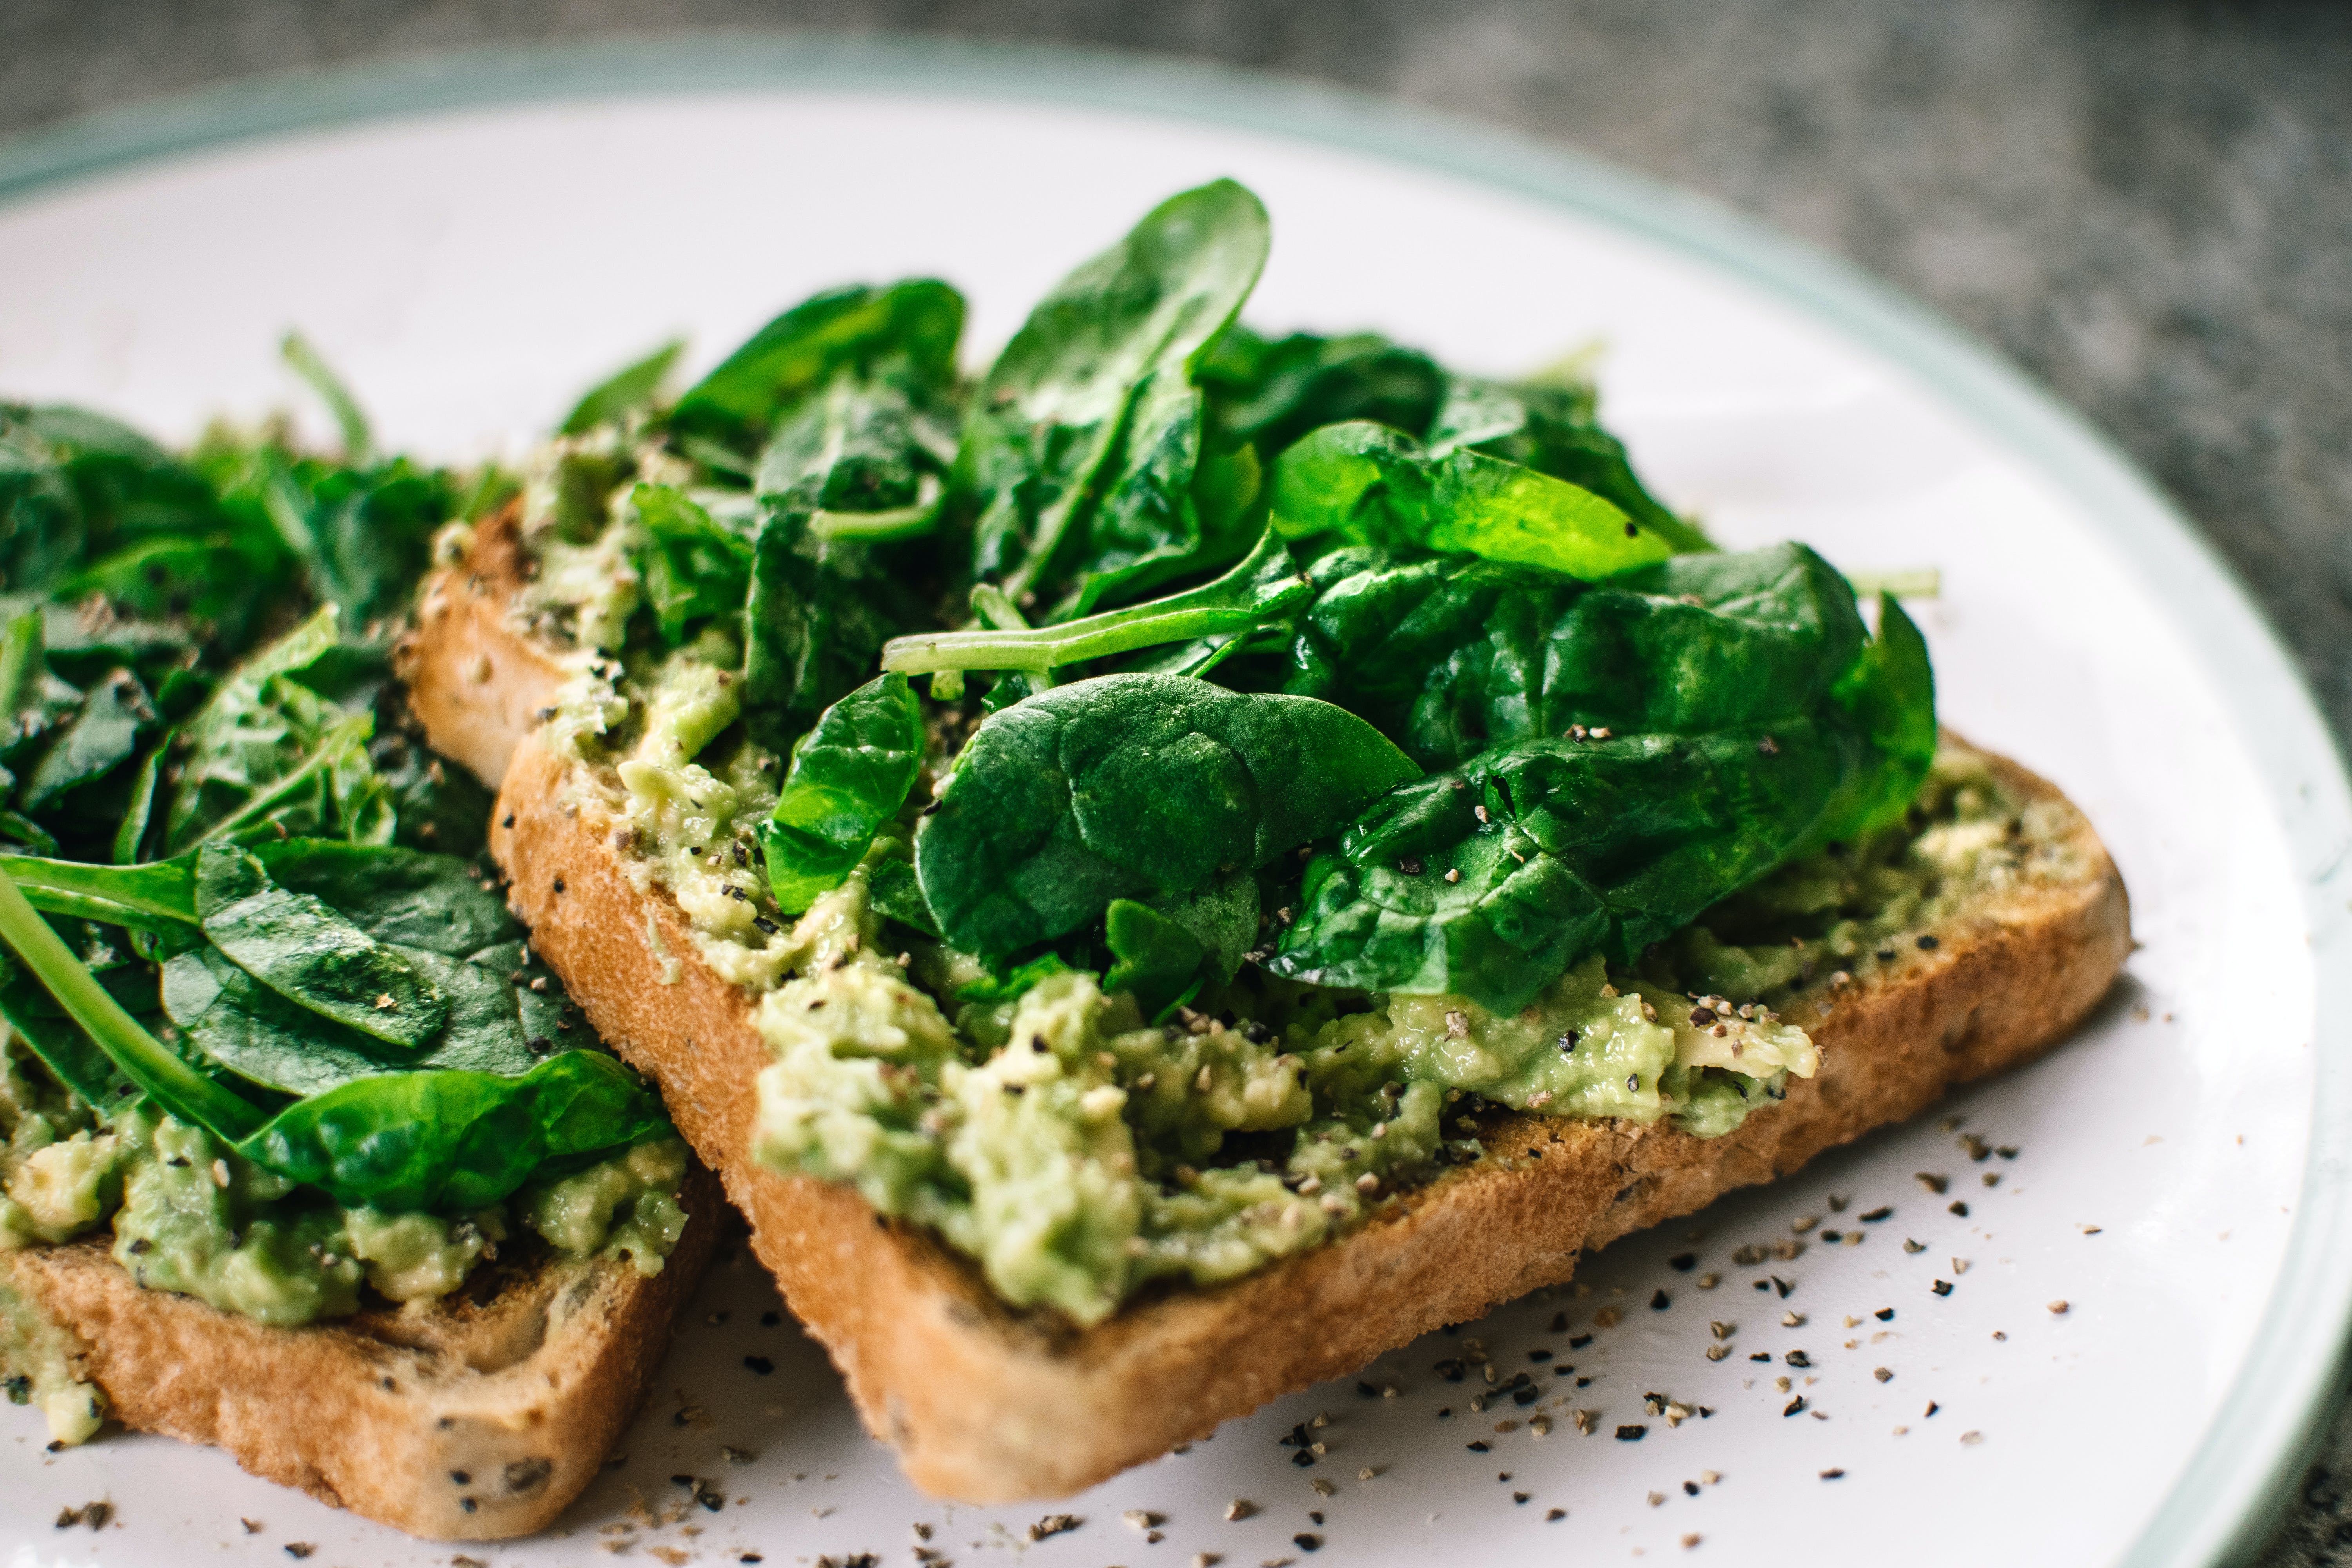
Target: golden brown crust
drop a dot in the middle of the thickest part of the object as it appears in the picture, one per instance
(478, 1418)
(990, 1404)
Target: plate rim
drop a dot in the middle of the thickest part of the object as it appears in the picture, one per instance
(2223, 1506)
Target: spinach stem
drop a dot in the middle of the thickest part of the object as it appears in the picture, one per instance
(172, 1083)
(1263, 587)
(875, 527)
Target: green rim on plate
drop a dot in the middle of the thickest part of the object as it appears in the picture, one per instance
(2221, 1507)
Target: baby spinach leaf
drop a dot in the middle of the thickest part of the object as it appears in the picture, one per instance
(266, 749)
(631, 387)
(1553, 428)
(863, 456)
(1451, 655)
(365, 534)
(58, 1041)
(96, 741)
(493, 1025)
(736, 404)
(455, 1141)
(300, 948)
(1370, 485)
(695, 568)
(415, 900)
(42, 535)
(895, 895)
(1890, 695)
(1267, 394)
(1133, 787)
(1560, 849)
(821, 609)
(1012, 984)
(849, 775)
(1158, 960)
(1079, 457)
(1167, 949)
(854, 468)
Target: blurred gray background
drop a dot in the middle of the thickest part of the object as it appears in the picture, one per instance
(2147, 207)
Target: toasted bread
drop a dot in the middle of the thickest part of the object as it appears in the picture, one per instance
(986, 1402)
(478, 1417)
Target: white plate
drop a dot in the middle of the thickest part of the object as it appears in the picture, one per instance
(522, 223)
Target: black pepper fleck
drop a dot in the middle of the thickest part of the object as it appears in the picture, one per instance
(760, 1365)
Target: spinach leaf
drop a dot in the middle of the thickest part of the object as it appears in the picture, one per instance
(1889, 694)
(1267, 394)
(895, 895)
(266, 749)
(1559, 848)
(42, 535)
(1133, 787)
(1725, 715)
(1078, 461)
(402, 896)
(1167, 949)
(695, 568)
(849, 775)
(849, 328)
(1370, 485)
(454, 1142)
(1553, 428)
(366, 534)
(60, 1043)
(863, 456)
(633, 386)
(298, 947)
(854, 467)
(493, 1025)
(1158, 960)
(819, 611)
(1014, 982)
(1450, 655)
(99, 738)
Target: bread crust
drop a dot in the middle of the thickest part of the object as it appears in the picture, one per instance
(987, 1403)
(478, 1417)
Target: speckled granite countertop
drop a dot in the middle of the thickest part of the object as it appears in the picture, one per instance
(2147, 205)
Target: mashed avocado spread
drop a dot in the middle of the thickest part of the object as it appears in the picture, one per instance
(192, 1216)
(1078, 1150)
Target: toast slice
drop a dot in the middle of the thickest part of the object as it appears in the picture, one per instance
(478, 1417)
(989, 1404)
